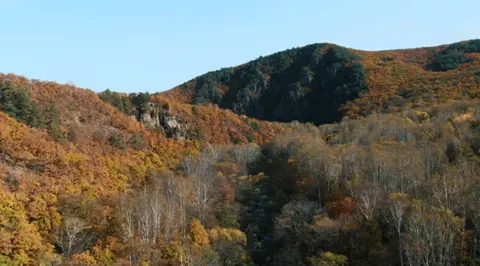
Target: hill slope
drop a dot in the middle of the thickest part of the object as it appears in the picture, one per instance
(116, 179)
(66, 154)
(321, 83)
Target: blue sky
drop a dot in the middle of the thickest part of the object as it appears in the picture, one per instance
(153, 45)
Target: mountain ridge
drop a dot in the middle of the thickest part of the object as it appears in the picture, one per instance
(382, 75)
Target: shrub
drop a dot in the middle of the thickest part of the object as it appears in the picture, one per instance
(455, 55)
(255, 126)
(450, 59)
(71, 134)
(98, 136)
(82, 259)
(250, 136)
(50, 119)
(195, 110)
(136, 142)
(115, 140)
(16, 103)
(229, 217)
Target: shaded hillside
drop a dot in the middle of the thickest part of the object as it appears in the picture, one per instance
(321, 83)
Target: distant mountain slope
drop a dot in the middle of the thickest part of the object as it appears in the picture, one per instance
(321, 83)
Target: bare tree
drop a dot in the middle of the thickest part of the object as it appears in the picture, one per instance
(355, 162)
(202, 172)
(430, 236)
(211, 154)
(396, 168)
(126, 218)
(72, 236)
(449, 189)
(321, 164)
(183, 192)
(157, 208)
(475, 217)
(368, 198)
(126, 215)
(203, 196)
(143, 217)
(170, 222)
(394, 213)
(190, 166)
(378, 169)
(313, 166)
(149, 215)
(469, 205)
(432, 157)
(409, 168)
(178, 194)
(244, 155)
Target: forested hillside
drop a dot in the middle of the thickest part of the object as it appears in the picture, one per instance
(321, 83)
(68, 160)
(381, 166)
(389, 189)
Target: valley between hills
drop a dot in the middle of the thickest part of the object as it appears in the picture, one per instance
(317, 155)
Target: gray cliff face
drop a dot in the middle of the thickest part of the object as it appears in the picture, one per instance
(154, 116)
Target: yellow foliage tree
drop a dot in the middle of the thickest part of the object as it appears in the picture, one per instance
(19, 240)
(83, 259)
(329, 259)
(228, 234)
(198, 234)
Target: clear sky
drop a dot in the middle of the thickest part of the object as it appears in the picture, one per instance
(153, 45)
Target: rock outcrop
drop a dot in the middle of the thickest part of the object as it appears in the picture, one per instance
(153, 115)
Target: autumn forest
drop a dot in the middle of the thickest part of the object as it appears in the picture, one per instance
(316, 155)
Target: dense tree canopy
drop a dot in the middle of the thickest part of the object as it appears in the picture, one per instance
(296, 84)
(455, 55)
